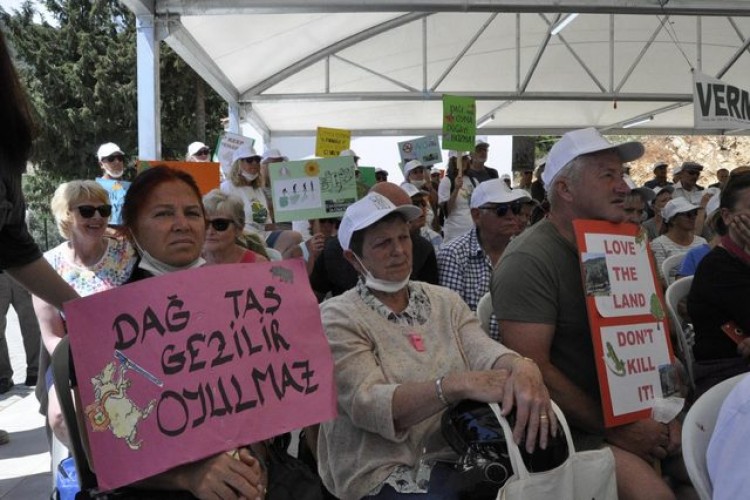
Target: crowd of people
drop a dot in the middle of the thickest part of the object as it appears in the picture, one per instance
(399, 277)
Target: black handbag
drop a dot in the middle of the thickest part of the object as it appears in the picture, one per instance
(288, 477)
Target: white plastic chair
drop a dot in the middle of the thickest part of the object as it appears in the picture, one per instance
(669, 266)
(697, 430)
(484, 311)
(674, 294)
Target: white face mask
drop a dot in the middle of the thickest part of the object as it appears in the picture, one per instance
(114, 174)
(418, 184)
(158, 268)
(381, 285)
(249, 177)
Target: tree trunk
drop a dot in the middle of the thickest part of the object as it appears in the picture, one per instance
(200, 110)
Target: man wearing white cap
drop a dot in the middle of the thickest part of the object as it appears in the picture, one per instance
(465, 263)
(538, 297)
(198, 152)
(112, 162)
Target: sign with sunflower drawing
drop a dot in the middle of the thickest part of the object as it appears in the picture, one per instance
(313, 189)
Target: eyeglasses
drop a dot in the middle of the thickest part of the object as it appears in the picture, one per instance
(220, 225)
(202, 152)
(88, 211)
(690, 214)
(111, 158)
(502, 209)
(251, 159)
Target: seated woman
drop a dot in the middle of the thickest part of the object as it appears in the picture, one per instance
(403, 351)
(164, 218)
(718, 299)
(679, 216)
(89, 261)
(224, 239)
(246, 183)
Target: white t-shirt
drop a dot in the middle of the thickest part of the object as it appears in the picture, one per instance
(256, 207)
(459, 220)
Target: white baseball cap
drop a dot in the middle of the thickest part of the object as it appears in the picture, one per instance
(679, 205)
(412, 190)
(194, 147)
(244, 151)
(411, 165)
(349, 152)
(107, 149)
(367, 211)
(582, 142)
(273, 154)
(496, 191)
(505, 177)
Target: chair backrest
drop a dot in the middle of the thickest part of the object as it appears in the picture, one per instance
(669, 265)
(484, 311)
(674, 294)
(697, 430)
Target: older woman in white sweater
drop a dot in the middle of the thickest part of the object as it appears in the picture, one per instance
(404, 350)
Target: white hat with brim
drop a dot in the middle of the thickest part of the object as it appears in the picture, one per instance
(107, 149)
(676, 206)
(582, 142)
(411, 165)
(194, 147)
(369, 210)
(273, 154)
(349, 152)
(496, 191)
(244, 151)
(412, 190)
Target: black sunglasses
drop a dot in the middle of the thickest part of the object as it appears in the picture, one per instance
(251, 159)
(220, 225)
(202, 152)
(502, 209)
(88, 211)
(111, 158)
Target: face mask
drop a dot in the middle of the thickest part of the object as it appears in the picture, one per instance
(158, 268)
(249, 177)
(114, 175)
(418, 184)
(380, 284)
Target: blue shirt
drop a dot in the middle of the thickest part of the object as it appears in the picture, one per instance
(692, 259)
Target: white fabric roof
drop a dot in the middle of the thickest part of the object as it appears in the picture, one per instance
(380, 67)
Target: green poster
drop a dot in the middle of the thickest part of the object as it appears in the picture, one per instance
(459, 122)
(312, 189)
(367, 176)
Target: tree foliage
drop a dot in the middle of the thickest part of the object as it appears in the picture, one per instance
(80, 74)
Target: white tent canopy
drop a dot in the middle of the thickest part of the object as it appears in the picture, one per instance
(381, 67)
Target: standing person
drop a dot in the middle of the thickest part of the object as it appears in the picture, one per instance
(11, 293)
(660, 176)
(465, 264)
(272, 156)
(19, 255)
(688, 187)
(112, 163)
(538, 297)
(454, 194)
(479, 171)
(527, 177)
(416, 174)
(538, 191)
(381, 175)
(198, 152)
(722, 176)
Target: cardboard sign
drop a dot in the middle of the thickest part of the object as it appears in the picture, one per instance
(628, 322)
(459, 123)
(170, 371)
(116, 190)
(313, 189)
(425, 149)
(226, 145)
(329, 142)
(719, 105)
(206, 174)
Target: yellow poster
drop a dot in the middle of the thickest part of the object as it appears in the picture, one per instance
(331, 141)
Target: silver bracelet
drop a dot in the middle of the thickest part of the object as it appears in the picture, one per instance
(440, 393)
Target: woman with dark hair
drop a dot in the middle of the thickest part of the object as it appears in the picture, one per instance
(19, 255)
(163, 217)
(454, 194)
(718, 299)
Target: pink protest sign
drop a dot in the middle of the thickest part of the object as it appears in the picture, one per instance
(180, 367)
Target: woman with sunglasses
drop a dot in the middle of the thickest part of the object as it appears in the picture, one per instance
(246, 182)
(224, 233)
(198, 152)
(89, 261)
(679, 217)
(718, 297)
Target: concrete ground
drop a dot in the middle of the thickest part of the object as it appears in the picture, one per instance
(25, 461)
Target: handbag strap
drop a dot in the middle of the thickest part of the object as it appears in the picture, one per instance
(514, 454)
(61, 375)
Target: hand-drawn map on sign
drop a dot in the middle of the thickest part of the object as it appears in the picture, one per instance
(313, 189)
(459, 122)
(170, 372)
(627, 319)
(425, 149)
